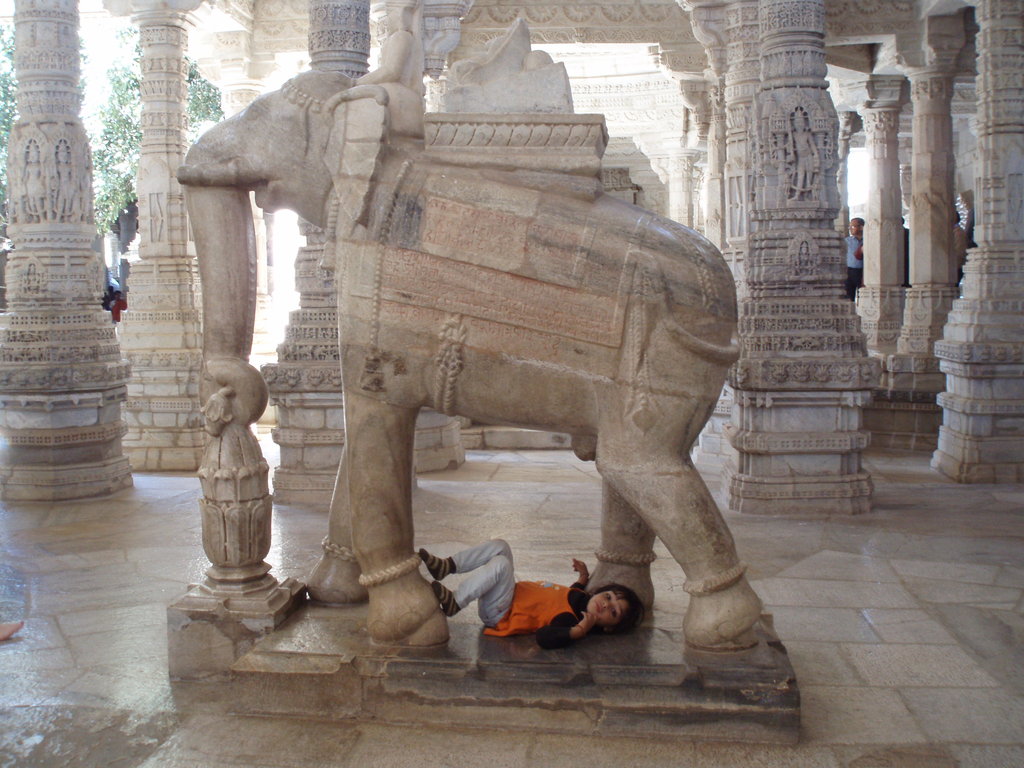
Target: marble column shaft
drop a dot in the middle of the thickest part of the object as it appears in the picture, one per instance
(803, 375)
(982, 348)
(62, 377)
(339, 36)
(880, 301)
(932, 219)
(682, 198)
(305, 384)
(849, 123)
(741, 81)
(709, 27)
(162, 329)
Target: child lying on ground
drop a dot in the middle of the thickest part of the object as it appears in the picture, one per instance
(558, 615)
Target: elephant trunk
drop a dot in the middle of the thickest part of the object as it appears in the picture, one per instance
(226, 246)
(237, 172)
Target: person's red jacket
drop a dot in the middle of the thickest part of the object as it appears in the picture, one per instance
(117, 306)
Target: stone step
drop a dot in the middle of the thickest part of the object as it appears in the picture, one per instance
(321, 663)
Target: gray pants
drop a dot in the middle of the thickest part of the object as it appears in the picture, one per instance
(492, 582)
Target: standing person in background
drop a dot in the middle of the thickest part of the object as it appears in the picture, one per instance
(855, 258)
(118, 304)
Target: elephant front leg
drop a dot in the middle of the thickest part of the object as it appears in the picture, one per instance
(378, 460)
(335, 579)
(626, 551)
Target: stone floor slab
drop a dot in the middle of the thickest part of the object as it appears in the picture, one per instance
(833, 594)
(826, 624)
(979, 716)
(848, 715)
(918, 666)
(841, 566)
(896, 625)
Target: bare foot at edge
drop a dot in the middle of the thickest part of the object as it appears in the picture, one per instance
(9, 629)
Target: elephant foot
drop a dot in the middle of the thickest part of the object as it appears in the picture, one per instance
(405, 612)
(636, 577)
(723, 620)
(335, 579)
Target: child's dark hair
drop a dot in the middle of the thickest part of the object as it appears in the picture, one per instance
(634, 613)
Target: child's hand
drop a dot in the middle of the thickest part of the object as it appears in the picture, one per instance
(581, 568)
(580, 630)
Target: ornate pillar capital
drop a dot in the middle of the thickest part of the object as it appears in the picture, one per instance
(138, 9)
(442, 31)
(886, 92)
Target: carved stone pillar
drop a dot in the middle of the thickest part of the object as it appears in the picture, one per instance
(714, 211)
(708, 20)
(679, 170)
(305, 384)
(982, 348)
(849, 124)
(880, 301)
(239, 601)
(904, 413)
(742, 75)
(62, 378)
(803, 375)
(161, 332)
(442, 30)
(339, 36)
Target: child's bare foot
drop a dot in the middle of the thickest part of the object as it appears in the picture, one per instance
(10, 628)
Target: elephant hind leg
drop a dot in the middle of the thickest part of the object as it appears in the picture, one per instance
(650, 469)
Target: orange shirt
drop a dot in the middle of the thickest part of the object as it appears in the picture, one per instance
(534, 605)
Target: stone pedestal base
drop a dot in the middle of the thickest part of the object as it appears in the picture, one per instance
(881, 315)
(438, 444)
(161, 336)
(211, 626)
(61, 483)
(484, 438)
(798, 453)
(311, 435)
(903, 420)
(62, 445)
(970, 450)
(641, 684)
(713, 449)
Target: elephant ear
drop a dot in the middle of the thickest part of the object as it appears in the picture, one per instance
(353, 155)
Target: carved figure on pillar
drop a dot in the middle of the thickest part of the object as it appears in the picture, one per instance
(804, 160)
(802, 376)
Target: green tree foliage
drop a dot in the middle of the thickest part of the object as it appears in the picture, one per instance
(115, 155)
(203, 102)
(116, 150)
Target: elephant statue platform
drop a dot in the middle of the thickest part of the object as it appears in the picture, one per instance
(482, 272)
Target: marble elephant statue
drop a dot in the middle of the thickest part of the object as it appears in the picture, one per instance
(529, 299)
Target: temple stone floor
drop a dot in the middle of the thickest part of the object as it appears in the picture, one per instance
(904, 626)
